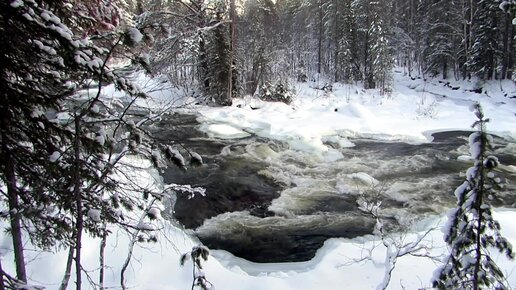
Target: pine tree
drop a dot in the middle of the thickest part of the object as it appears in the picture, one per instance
(471, 232)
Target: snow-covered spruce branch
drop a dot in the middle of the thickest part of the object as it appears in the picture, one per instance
(106, 168)
(186, 189)
(471, 232)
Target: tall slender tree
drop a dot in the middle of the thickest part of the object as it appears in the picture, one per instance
(472, 233)
(373, 22)
(485, 50)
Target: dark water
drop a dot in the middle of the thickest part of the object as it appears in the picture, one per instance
(267, 203)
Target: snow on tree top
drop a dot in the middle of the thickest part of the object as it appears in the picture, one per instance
(56, 155)
(94, 214)
(134, 34)
(17, 3)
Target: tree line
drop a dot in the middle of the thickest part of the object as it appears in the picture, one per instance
(226, 48)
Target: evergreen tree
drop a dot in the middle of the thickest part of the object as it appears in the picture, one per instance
(442, 47)
(299, 31)
(405, 36)
(258, 37)
(60, 140)
(220, 64)
(471, 232)
(485, 51)
(373, 22)
(348, 56)
(383, 60)
(507, 66)
(342, 30)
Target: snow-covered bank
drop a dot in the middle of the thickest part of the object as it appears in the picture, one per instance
(411, 113)
(356, 263)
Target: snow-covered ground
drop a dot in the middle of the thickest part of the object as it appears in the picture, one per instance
(414, 109)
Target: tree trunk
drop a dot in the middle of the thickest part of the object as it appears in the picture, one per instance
(479, 200)
(445, 69)
(468, 33)
(139, 7)
(232, 40)
(506, 48)
(101, 258)
(336, 40)
(68, 269)
(510, 49)
(203, 60)
(319, 45)
(368, 74)
(15, 222)
(2, 281)
(78, 202)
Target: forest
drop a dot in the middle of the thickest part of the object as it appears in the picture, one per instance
(64, 145)
(227, 49)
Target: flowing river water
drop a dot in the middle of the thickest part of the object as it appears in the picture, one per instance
(268, 203)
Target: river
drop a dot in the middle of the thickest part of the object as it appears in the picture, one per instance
(266, 202)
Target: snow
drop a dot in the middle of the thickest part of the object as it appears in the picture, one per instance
(17, 3)
(474, 145)
(364, 178)
(315, 117)
(48, 16)
(94, 214)
(28, 17)
(155, 213)
(315, 123)
(196, 157)
(176, 155)
(223, 131)
(144, 226)
(44, 48)
(357, 263)
(54, 156)
(134, 34)
(471, 173)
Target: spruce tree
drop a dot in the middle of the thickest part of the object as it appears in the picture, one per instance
(60, 138)
(485, 51)
(471, 232)
(258, 38)
(374, 25)
(383, 60)
(346, 55)
(442, 49)
(220, 70)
